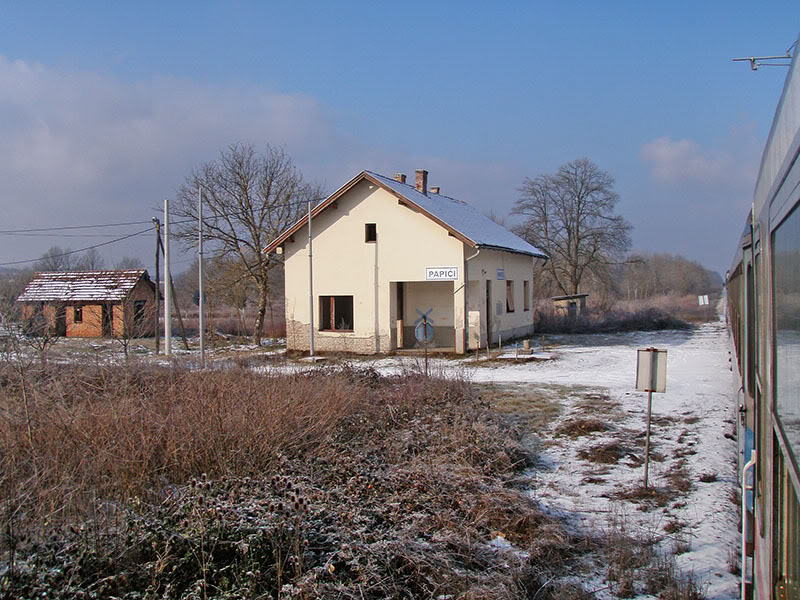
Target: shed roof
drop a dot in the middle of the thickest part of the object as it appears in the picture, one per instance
(82, 286)
(459, 218)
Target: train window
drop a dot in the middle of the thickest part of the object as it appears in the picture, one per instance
(786, 548)
(750, 354)
(786, 276)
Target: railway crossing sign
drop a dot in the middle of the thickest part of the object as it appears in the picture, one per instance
(423, 326)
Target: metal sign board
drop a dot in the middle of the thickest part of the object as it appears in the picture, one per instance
(651, 370)
(441, 273)
(501, 274)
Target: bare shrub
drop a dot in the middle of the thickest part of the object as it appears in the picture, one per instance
(224, 484)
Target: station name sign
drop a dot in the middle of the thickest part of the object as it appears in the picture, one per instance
(441, 273)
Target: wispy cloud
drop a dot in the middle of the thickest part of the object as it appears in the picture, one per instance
(732, 162)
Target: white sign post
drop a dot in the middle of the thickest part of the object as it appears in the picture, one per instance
(651, 376)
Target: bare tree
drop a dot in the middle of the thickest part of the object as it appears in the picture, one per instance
(90, 261)
(129, 262)
(248, 199)
(570, 215)
(56, 259)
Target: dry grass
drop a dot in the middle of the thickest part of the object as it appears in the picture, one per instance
(227, 484)
(606, 453)
(531, 407)
(575, 428)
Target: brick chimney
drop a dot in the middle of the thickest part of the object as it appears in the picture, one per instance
(422, 181)
(434, 189)
(401, 177)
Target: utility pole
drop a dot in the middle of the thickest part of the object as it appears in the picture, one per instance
(310, 287)
(158, 287)
(167, 280)
(174, 297)
(200, 301)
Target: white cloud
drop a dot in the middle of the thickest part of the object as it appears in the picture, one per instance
(77, 147)
(732, 163)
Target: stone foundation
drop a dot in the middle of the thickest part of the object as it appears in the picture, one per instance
(325, 341)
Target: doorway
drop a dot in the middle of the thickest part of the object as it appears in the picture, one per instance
(488, 311)
(61, 320)
(107, 319)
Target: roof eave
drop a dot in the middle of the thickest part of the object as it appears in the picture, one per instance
(364, 175)
(514, 251)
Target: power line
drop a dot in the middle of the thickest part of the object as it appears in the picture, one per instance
(62, 235)
(64, 228)
(20, 262)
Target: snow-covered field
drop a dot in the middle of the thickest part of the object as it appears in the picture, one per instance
(689, 442)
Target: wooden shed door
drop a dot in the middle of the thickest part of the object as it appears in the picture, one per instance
(107, 319)
(61, 320)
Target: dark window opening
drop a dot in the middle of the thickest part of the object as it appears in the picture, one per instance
(138, 313)
(526, 295)
(370, 232)
(336, 313)
(77, 314)
(509, 296)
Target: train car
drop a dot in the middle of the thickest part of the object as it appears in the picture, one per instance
(763, 289)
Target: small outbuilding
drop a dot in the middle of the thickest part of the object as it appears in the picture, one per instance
(570, 306)
(386, 255)
(90, 303)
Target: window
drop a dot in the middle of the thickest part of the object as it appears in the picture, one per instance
(509, 296)
(138, 313)
(786, 273)
(526, 295)
(336, 313)
(370, 232)
(77, 314)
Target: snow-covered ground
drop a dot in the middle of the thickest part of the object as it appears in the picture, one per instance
(690, 423)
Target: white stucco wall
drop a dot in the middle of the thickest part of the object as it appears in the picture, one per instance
(407, 243)
(517, 268)
(344, 264)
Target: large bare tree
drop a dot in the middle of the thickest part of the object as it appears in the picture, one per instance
(248, 199)
(570, 215)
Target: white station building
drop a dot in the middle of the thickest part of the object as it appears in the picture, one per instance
(385, 254)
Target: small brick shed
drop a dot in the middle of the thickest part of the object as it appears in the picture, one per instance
(90, 303)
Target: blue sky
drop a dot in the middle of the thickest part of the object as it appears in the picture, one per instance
(105, 107)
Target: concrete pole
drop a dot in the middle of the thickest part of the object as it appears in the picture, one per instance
(200, 301)
(310, 288)
(167, 279)
(157, 331)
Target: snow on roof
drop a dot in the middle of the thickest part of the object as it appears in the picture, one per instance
(463, 218)
(81, 286)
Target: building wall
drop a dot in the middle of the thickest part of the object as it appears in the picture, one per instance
(91, 325)
(517, 268)
(344, 264)
(407, 242)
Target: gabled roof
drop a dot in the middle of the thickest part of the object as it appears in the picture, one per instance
(459, 218)
(82, 286)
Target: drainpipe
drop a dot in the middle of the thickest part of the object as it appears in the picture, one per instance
(745, 488)
(466, 302)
